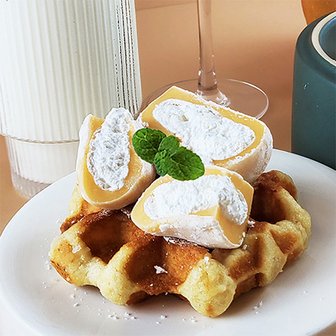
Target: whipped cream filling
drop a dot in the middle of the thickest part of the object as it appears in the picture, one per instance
(109, 156)
(175, 205)
(202, 230)
(203, 130)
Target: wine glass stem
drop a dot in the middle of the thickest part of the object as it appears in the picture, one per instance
(207, 82)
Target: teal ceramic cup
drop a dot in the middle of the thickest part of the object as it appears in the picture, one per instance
(314, 92)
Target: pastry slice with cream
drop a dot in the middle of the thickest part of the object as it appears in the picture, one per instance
(220, 136)
(211, 211)
(110, 174)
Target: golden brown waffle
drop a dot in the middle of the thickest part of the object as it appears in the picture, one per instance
(78, 208)
(105, 249)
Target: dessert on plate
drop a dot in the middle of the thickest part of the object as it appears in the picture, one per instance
(212, 227)
(220, 136)
(109, 172)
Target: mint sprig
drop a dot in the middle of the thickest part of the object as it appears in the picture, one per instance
(184, 165)
(146, 144)
(167, 155)
(169, 143)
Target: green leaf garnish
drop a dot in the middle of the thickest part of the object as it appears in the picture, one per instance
(160, 162)
(170, 144)
(146, 143)
(184, 165)
(167, 155)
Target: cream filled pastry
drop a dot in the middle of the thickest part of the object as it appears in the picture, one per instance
(110, 174)
(211, 211)
(220, 136)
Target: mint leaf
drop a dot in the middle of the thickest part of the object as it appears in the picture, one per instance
(183, 165)
(146, 143)
(160, 162)
(170, 144)
(167, 155)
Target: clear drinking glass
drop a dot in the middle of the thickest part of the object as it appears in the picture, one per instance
(61, 60)
(235, 94)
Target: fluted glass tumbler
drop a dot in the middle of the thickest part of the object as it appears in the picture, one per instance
(61, 60)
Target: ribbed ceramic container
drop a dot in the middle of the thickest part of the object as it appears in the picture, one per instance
(61, 60)
(314, 92)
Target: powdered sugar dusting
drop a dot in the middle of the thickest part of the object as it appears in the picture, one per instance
(159, 270)
(203, 130)
(176, 208)
(108, 155)
(179, 198)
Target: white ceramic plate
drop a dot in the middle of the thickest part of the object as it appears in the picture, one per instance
(300, 301)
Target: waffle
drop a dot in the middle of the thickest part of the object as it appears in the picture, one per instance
(105, 249)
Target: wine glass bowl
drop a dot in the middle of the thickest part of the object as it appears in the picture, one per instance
(244, 97)
(231, 93)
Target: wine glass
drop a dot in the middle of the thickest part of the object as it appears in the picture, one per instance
(232, 93)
